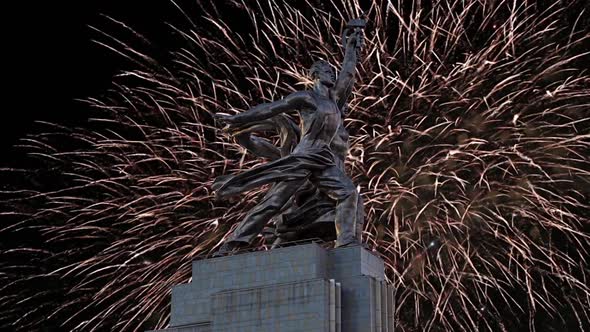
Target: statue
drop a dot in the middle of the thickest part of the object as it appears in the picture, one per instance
(310, 191)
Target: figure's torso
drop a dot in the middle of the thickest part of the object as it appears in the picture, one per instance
(322, 125)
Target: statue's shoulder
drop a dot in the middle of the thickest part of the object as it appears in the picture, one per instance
(303, 94)
(304, 97)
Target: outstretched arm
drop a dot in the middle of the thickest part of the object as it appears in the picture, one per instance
(288, 131)
(264, 111)
(258, 146)
(346, 78)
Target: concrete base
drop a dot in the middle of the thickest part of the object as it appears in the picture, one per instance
(303, 288)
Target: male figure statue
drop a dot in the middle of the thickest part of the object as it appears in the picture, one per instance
(318, 157)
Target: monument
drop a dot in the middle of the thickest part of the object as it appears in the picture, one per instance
(296, 287)
(311, 195)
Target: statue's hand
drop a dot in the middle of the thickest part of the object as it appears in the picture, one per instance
(224, 118)
(228, 121)
(356, 39)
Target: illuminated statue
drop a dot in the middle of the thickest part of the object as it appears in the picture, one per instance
(310, 186)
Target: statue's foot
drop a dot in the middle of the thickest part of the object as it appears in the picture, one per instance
(228, 248)
(277, 243)
(347, 243)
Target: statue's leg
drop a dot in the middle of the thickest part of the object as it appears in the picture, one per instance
(288, 174)
(360, 217)
(338, 186)
(272, 203)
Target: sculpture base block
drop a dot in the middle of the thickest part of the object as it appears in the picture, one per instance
(303, 288)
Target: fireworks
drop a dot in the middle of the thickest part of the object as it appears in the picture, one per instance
(469, 139)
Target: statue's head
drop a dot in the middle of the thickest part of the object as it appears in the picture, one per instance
(323, 72)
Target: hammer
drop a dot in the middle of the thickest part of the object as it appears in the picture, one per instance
(357, 23)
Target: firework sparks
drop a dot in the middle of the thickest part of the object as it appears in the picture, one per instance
(470, 143)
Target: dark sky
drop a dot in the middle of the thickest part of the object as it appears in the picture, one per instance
(51, 59)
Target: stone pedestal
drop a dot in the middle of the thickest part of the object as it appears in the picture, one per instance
(303, 288)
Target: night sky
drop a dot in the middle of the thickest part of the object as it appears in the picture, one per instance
(52, 59)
